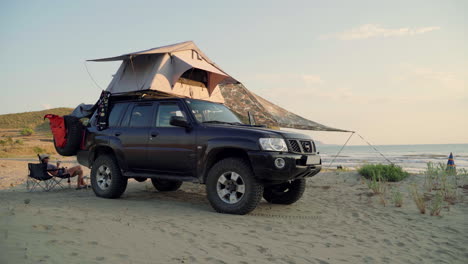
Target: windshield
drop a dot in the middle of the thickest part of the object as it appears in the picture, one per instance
(207, 112)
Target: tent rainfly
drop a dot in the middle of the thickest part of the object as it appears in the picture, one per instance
(184, 70)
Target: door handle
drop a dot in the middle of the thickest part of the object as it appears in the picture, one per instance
(117, 134)
(154, 134)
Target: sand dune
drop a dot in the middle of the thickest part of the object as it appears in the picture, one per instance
(336, 222)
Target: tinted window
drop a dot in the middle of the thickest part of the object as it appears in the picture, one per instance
(165, 112)
(115, 114)
(141, 116)
(126, 117)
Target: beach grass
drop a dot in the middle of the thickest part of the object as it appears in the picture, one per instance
(418, 200)
(377, 184)
(397, 198)
(436, 204)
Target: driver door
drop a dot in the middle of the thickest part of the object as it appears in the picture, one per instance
(171, 149)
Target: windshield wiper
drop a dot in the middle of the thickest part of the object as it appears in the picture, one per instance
(218, 122)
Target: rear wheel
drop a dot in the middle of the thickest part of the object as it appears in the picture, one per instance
(232, 188)
(166, 185)
(106, 178)
(285, 193)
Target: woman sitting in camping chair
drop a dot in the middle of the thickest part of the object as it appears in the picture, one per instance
(56, 171)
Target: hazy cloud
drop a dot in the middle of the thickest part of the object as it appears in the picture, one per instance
(377, 31)
(47, 106)
(312, 79)
(309, 79)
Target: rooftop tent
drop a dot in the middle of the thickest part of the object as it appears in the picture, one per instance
(162, 68)
(184, 70)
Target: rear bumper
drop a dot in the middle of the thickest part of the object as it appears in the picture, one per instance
(263, 164)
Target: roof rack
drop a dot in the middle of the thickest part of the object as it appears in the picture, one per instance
(144, 94)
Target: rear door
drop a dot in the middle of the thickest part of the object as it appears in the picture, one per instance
(171, 149)
(134, 134)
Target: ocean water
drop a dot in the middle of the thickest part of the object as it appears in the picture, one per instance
(413, 158)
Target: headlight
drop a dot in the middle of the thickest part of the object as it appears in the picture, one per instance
(273, 144)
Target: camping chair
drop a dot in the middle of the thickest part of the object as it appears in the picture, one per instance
(57, 179)
(38, 177)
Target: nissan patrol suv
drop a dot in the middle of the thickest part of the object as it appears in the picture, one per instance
(173, 140)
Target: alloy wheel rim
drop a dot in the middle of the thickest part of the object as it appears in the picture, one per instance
(230, 187)
(104, 177)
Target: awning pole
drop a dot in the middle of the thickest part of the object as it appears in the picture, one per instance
(352, 133)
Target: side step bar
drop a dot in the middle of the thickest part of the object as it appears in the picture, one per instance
(131, 174)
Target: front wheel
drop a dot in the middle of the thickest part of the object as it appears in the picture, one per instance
(285, 193)
(232, 188)
(106, 178)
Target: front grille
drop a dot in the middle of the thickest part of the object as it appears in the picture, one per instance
(301, 146)
(307, 147)
(294, 146)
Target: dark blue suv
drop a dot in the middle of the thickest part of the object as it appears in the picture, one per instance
(173, 140)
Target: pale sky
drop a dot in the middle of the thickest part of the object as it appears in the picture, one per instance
(394, 71)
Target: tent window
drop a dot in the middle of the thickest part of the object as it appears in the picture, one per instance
(196, 75)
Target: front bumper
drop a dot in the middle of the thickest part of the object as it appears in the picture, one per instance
(263, 164)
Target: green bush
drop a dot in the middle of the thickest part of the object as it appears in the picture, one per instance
(390, 173)
(38, 150)
(27, 131)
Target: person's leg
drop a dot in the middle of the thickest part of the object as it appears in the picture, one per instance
(77, 171)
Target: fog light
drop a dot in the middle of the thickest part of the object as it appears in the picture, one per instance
(280, 163)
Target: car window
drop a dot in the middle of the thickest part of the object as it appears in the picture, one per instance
(165, 112)
(115, 114)
(141, 116)
(126, 117)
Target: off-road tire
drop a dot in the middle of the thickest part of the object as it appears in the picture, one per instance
(285, 193)
(166, 185)
(252, 193)
(118, 182)
(74, 137)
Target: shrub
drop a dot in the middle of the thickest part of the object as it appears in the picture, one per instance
(38, 150)
(7, 141)
(390, 173)
(27, 131)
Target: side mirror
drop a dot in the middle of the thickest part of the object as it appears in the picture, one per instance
(179, 121)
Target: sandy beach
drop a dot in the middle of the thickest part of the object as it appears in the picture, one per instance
(337, 221)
